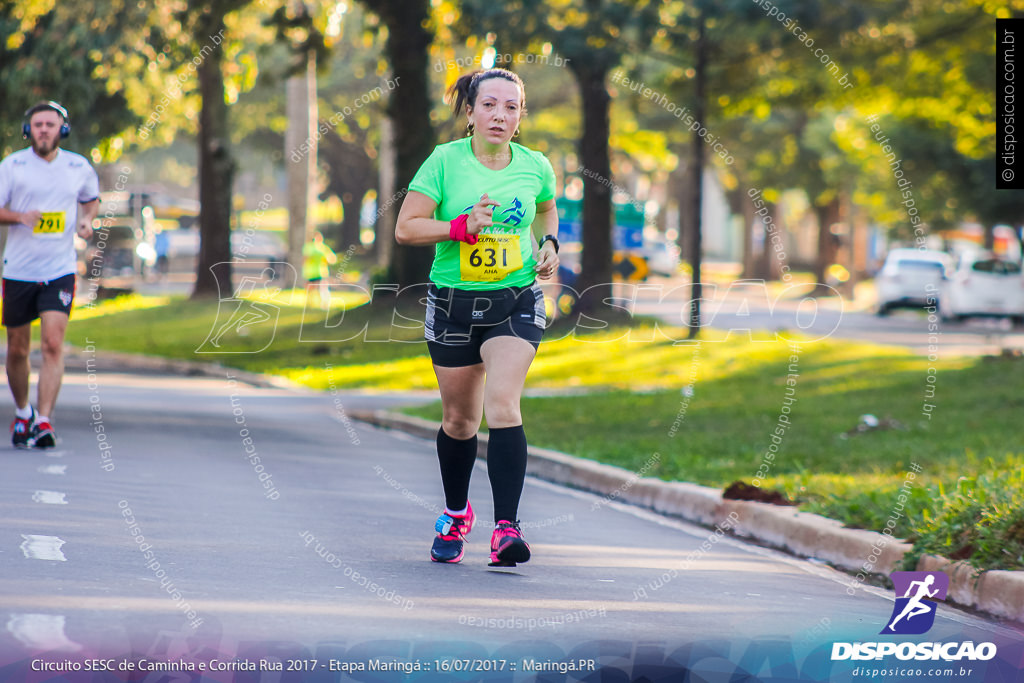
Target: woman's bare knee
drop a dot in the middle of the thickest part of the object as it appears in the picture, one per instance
(461, 399)
(502, 413)
(460, 426)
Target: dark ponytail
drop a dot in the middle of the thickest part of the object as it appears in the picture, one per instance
(462, 93)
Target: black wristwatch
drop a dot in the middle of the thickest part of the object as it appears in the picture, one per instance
(548, 238)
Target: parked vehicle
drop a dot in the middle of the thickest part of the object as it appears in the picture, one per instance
(258, 245)
(662, 256)
(116, 257)
(983, 285)
(181, 249)
(911, 278)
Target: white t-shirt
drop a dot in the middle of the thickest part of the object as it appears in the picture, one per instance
(28, 182)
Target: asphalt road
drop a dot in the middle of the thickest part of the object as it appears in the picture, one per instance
(151, 534)
(740, 307)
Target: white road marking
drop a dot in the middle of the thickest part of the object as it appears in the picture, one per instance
(42, 548)
(55, 454)
(53, 469)
(49, 497)
(41, 632)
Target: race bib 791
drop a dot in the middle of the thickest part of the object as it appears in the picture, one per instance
(52, 223)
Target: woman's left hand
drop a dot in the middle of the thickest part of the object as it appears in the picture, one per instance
(547, 262)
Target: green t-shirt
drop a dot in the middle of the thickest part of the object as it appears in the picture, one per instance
(316, 257)
(454, 178)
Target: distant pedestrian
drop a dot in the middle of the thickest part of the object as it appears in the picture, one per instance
(47, 195)
(162, 247)
(317, 256)
(479, 200)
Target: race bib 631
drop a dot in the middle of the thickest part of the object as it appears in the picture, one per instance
(492, 258)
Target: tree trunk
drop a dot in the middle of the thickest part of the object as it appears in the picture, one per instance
(695, 240)
(989, 236)
(850, 252)
(746, 210)
(596, 260)
(350, 175)
(683, 182)
(216, 173)
(827, 214)
(409, 108)
(301, 152)
(352, 203)
(387, 203)
(763, 262)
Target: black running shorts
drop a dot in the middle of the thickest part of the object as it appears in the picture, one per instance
(459, 321)
(24, 301)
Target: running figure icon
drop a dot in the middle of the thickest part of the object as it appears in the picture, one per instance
(251, 307)
(915, 607)
(917, 597)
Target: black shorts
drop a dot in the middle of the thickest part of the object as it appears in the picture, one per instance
(459, 321)
(24, 301)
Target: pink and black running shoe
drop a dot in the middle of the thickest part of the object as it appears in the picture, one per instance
(451, 531)
(507, 545)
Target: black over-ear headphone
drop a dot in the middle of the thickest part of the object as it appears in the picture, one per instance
(65, 127)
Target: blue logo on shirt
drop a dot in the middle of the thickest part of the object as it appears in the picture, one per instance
(517, 213)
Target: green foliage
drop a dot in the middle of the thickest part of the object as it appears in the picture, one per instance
(871, 507)
(930, 85)
(52, 54)
(295, 335)
(980, 519)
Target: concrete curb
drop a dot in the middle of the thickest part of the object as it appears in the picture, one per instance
(1000, 593)
(997, 591)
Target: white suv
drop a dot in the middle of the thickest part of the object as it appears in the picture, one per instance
(984, 285)
(911, 278)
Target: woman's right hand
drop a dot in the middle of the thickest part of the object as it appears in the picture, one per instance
(480, 216)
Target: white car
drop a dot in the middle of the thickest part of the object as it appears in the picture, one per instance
(984, 285)
(258, 246)
(911, 278)
(662, 256)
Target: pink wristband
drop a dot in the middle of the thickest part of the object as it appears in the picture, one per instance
(458, 230)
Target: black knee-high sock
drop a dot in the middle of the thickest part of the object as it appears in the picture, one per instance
(456, 457)
(506, 468)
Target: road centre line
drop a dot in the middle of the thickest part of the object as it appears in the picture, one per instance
(41, 632)
(49, 497)
(38, 547)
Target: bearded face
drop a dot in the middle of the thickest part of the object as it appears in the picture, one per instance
(44, 131)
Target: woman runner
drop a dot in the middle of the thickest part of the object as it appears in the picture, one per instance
(476, 199)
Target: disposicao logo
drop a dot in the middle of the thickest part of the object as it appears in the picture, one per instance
(917, 594)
